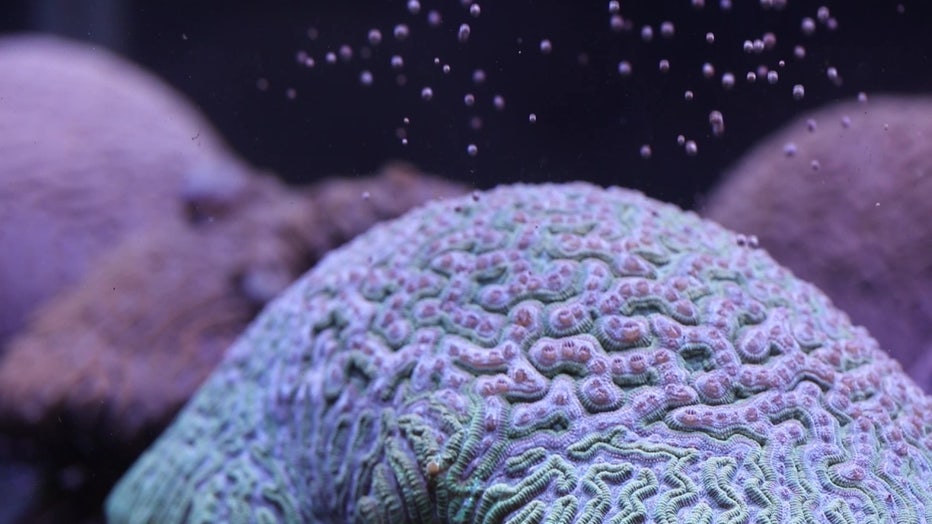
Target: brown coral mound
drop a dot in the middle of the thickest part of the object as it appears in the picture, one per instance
(112, 359)
(843, 197)
(91, 148)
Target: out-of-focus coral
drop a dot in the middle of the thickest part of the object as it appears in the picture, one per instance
(111, 360)
(556, 353)
(91, 149)
(843, 197)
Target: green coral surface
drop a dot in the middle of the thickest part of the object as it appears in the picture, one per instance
(545, 354)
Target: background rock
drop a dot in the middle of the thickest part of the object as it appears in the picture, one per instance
(92, 148)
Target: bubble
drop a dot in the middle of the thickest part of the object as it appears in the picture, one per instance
(401, 32)
(614, 6)
(667, 29)
(799, 92)
(647, 33)
(664, 65)
(822, 14)
(691, 148)
(414, 7)
(427, 94)
(546, 47)
(717, 121)
(645, 152)
(499, 102)
(365, 78)
(475, 10)
(472, 150)
(710, 38)
(463, 34)
(624, 68)
(374, 37)
(397, 62)
(469, 100)
(708, 70)
(808, 26)
(772, 76)
(532, 118)
(616, 23)
(728, 80)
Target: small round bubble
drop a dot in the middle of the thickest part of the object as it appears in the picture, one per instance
(365, 78)
(691, 148)
(647, 33)
(728, 80)
(808, 26)
(463, 34)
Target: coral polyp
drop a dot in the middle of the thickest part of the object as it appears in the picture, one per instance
(554, 353)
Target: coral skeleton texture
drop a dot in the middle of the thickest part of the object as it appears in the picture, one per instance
(553, 353)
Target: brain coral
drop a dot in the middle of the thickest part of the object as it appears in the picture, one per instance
(555, 353)
(843, 198)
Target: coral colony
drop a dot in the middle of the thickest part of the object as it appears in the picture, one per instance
(551, 353)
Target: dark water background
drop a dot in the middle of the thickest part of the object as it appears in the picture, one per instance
(591, 122)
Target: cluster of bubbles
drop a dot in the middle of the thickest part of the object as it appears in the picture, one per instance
(426, 53)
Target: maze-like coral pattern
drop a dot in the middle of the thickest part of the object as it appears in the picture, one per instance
(558, 354)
